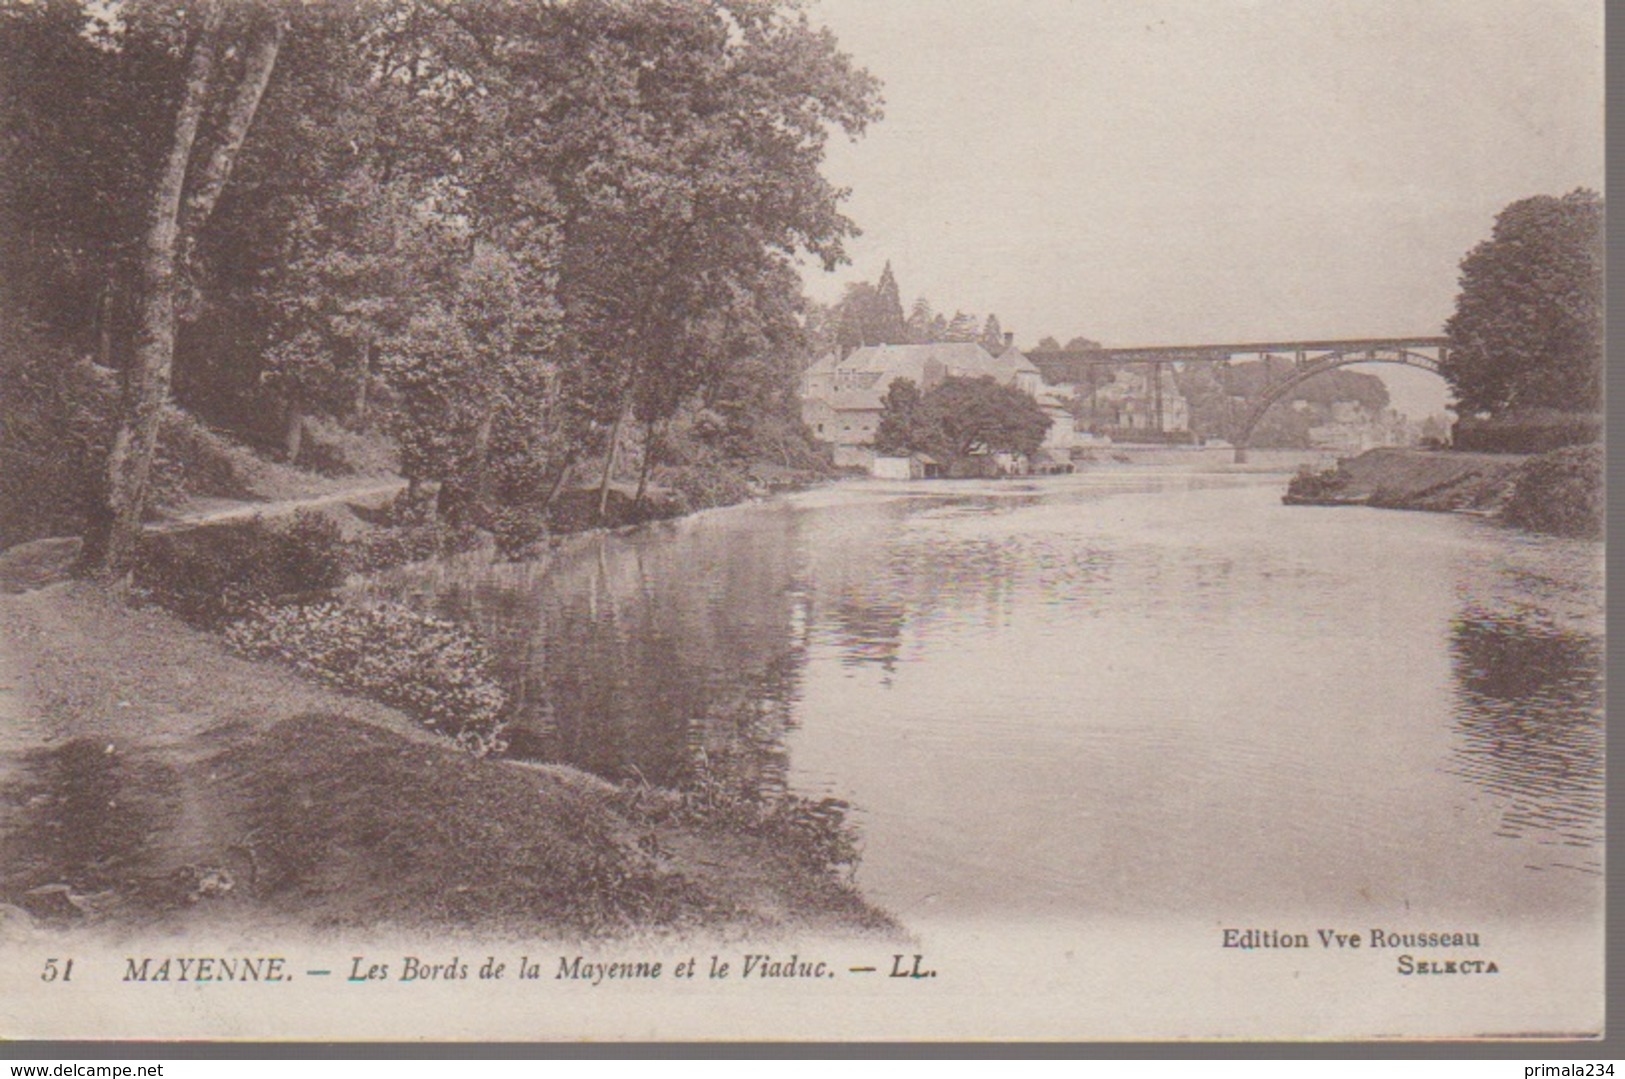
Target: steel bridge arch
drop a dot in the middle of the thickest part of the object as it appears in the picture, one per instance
(1319, 365)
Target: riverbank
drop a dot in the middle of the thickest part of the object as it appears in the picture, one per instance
(158, 782)
(1560, 492)
(1440, 481)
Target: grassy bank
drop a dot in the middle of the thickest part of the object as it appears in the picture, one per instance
(1559, 492)
(161, 781)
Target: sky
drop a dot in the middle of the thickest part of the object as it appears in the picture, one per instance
(1147, 172)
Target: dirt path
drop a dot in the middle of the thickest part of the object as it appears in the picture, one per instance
(42, 562)
(214, 511)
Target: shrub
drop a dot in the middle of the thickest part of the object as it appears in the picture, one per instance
(700, 487)
(55, 424)
(192, 459)
(1311, 486)
(815, 832)
(385, 548)
(333, 450)
(430, 668)
(396, 545)
(1560, 492)
(212, 573)
(1527, 431)
(520, 531)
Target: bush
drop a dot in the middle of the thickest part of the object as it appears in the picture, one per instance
(520, 531)
(408, 530)
(430, 668)
(701, 487)
(1311, 486)
(818, 833)
(1527, 431)
(1560, 492)
(215, 572)
(333, 450)
(55, 424)
(191, 459)
(398, 545)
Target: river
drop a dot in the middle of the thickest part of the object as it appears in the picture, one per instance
(1137, 692)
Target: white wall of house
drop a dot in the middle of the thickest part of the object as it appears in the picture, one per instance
(890, 468)
(1063, 430)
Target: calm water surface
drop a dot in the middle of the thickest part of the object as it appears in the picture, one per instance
(1129, 692)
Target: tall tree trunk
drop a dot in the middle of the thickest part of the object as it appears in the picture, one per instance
(115, 526)
(609, 455)
(293, 438)
(482, 453)
(558, 483)
(650, 440)
(358, 407)
(104, 326)
(211, 179)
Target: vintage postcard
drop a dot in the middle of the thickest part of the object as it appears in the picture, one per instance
(831, 520)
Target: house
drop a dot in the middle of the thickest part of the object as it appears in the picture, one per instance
(1133, 400)
(844, 417)
(1063, 426)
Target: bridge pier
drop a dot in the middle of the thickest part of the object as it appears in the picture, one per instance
(1241, 455)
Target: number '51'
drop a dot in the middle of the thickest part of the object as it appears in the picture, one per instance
(52, 972)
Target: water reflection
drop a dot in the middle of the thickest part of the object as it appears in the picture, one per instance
(1530, 720)
(1167, 695)
(642, 657)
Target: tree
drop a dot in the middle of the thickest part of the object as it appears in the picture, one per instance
(1528, 327)
(961, 327)
(229, 63)
(542, 220)
(872, 314)
(471, 361)
(921, 322)
(895, 434)
(855, 321)
(706, 125)
(888, 313)
(339, 224)
(993, 335)
(964, 416)
(127, 166)
(1048, 344)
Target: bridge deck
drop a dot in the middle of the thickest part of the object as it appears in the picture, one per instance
(1215, 352)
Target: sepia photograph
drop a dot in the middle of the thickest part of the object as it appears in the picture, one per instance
(802, 520)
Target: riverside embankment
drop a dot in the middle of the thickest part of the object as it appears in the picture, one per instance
(1559, 492)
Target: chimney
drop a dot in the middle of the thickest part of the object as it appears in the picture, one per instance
(1009, 339)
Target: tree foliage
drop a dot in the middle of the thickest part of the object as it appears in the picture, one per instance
(993, 335)
(960, 417)
(1528, 327)
(532, 223)
(896, 432)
